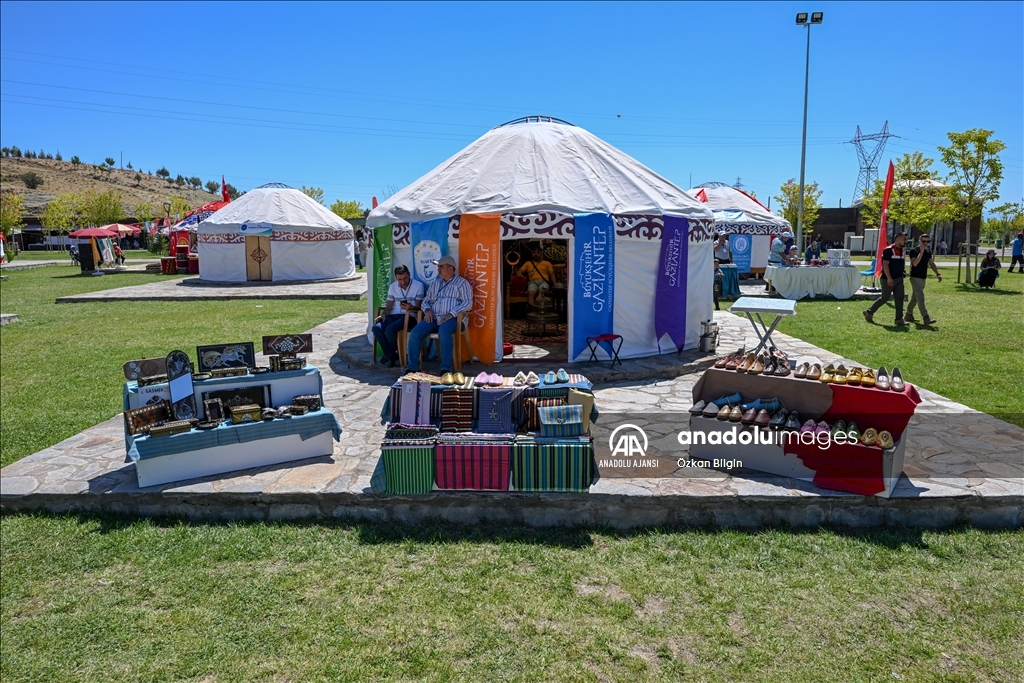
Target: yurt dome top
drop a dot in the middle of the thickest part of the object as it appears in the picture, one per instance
(537, 163)
(734, 207)
(283, 207)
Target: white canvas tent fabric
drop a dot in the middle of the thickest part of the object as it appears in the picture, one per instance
(537, 174)
(307, 242)
(737, 213)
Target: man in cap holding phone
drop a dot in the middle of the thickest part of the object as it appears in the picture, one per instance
(449, 295)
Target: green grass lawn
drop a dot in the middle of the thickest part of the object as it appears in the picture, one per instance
(60, 365)
(98, 599)
(974, 355)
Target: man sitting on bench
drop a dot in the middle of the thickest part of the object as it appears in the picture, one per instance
(540, 272)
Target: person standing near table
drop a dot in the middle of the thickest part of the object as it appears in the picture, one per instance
(407, 294)
(1017, 253)
(920, 260)
(447, 296)
(723, 252)
(778, 256)
(812, 252)
(893, 271)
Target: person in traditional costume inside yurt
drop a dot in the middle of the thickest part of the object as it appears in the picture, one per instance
(447, 296)
(540, 272)
(408, 295)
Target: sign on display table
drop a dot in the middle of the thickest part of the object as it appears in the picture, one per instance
(797, 282)
(854, 468)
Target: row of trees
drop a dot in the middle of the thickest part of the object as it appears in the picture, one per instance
(16, 153)
(921, 197)
(342, 209)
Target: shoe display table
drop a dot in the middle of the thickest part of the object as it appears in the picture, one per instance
(752, 306)
(854, 468)
(797, 282)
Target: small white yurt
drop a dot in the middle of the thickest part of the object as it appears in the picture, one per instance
(638, 258)
(749, 224)
(275, 233)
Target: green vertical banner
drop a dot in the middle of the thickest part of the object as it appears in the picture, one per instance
(383, 248)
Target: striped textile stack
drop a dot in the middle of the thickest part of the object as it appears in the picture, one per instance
(562, 464)
(456, 412)
(478, 466)
(408, 454)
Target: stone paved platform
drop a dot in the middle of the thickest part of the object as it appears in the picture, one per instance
(194, 289)
(962, 467)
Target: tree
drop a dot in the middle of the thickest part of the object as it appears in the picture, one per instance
(162, 172)
(110, 161)
(31, 179)
(352, 209)
(975, 171)
(10, 212)
(59, 157)
(789, 202)
(143, 212)
(129, 166)
(179, 205)
(102, 208)
(75, 160)
(917, 198)
(1011, 221)
(64, 213)
(212, 186)
(314, 193)
(15, 152)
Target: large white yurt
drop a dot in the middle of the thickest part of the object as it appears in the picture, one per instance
(637, 249)
(749, 224)
(275, 233)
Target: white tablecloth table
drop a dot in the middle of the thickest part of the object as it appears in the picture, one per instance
(798, 282)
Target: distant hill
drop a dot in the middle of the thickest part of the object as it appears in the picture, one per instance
(60, 177)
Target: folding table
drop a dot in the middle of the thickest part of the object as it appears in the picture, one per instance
(752, 306)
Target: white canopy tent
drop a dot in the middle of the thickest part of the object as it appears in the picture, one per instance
(737, 213)
(275, 233)
(539, 174)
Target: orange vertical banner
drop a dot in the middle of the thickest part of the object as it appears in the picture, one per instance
(480, 263)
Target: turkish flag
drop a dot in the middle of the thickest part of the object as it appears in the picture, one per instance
(883, 229)
(374, 201)
(224, 190)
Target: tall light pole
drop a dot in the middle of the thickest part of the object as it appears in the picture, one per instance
(801, 20)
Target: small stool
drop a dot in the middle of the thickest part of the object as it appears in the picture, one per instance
(592, 343)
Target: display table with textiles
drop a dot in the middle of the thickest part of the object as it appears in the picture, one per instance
(505, 437)
(212, 444)
(850, 466)
(797, 282)
(730, 280)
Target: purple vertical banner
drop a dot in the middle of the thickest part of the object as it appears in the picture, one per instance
(670, 293)
(594, 279)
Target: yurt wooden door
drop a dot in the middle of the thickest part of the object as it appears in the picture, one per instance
(257, 259)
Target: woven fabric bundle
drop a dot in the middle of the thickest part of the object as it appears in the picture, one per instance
(476, 466)
(530, 406)
(409, 469)
(456, 410)
(556, 465)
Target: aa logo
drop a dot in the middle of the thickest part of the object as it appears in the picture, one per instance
(625, 441)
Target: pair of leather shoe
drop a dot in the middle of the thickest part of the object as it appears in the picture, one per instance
(753, 416)
(453, 378)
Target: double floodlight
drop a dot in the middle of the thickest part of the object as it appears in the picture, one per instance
(816, 17)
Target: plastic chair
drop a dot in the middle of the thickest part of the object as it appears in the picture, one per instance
(869, 273)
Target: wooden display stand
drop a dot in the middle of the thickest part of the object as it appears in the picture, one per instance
(867, 470)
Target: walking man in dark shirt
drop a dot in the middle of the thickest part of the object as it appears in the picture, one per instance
(920, 259)
(893, 271)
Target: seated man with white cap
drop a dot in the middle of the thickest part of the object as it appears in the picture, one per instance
(447, 296)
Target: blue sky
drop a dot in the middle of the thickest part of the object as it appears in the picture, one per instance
(362, 99)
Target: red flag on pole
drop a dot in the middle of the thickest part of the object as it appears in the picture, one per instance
(883, 229)
(374, 201)
(224, 190)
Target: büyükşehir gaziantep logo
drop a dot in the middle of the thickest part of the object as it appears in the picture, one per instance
(625, 442)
